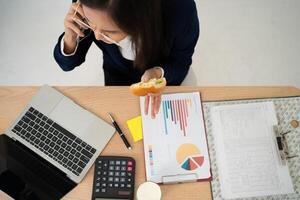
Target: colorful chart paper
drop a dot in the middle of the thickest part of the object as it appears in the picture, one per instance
(175, 140)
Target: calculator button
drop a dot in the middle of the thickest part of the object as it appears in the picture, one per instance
(129, 174)
(123, 173)
(116, 185)
(129, 179)
(103, 190)
(105, 162)
(111, 167)
(110, 179)
(110, 173)
(129, 169)
(97, 190)
(116, 179)
(112, 162)
(122, 179)
(128, 185)
(118, 162)
(103, 178)
(110, 185)
(117, 173)
(123, 168)
(104, 173)
(98, 184)
(117, 168)
(103, 185)
(123, 162)
(129, 163)
(122, 185)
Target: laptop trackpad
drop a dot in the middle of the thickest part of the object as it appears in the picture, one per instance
(72, 117)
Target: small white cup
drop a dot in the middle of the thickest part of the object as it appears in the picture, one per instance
(148, 191)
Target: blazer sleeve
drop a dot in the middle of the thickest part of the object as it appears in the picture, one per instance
(184, 39)
(68, 63)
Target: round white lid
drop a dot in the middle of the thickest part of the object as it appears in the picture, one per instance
(148, 191)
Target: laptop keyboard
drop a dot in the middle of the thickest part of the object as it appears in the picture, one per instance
(55, 141)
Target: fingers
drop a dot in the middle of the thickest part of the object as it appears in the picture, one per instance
(146, 104)
(145, 78)
(76, 8)
(74, 27)
(151, 73)
(152, 107)
(72, 24)
(157, 103)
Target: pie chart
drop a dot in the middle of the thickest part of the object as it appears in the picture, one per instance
(189, 157)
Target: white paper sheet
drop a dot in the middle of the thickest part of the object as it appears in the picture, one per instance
(247, 158)
(175, 144)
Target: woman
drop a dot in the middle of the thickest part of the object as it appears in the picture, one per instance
(140, 40)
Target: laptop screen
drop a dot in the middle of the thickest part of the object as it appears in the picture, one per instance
(26, 175)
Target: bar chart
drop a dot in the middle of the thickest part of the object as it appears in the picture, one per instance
(176, 113)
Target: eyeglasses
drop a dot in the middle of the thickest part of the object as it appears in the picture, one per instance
(85, 25)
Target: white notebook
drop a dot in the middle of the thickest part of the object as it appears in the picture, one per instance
(175, 144)
(247, 158)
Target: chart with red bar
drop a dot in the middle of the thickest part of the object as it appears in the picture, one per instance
(176, 113)
(175, 140)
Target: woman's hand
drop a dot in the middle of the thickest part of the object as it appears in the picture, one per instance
(154, 98)
(72, 29)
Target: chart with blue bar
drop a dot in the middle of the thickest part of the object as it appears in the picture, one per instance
(175, 140)
(177, 111)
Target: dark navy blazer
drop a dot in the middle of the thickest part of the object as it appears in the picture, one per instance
(182, 32)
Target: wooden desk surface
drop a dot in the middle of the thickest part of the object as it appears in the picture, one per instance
(101, 100)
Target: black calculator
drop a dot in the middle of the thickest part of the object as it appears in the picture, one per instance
(114, 178)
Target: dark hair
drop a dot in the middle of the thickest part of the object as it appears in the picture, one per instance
(143, 21)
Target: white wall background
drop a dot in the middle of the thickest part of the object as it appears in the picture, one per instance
(242, 42)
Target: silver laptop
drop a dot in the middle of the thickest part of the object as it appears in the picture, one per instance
(61, 132)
